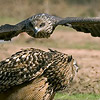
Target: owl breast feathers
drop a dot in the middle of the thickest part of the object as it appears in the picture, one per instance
(33, 73)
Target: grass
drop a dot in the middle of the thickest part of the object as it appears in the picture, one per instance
(87, 45)
(8, 20)
(65, 96)
(52, 43)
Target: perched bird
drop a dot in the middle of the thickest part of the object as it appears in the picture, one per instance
(33, 74)
(42, 26)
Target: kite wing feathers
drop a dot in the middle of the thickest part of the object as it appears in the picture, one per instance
(86, 25)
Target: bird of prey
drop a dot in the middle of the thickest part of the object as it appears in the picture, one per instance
(33, 74)
(42, 26)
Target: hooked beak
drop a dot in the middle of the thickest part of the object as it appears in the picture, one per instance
(36, 30)
(32, 28)
(75, 65)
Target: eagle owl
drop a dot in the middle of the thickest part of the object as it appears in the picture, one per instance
(34, 74)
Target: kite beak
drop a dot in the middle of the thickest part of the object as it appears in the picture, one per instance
(36, 30)
(31, 27)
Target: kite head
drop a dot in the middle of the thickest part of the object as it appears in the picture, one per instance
(42, 26)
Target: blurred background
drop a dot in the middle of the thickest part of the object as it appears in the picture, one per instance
(14, 10)
(83, 47)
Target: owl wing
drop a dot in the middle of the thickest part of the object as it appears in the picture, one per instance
(10, 77)
(86, 25)
(21, 67)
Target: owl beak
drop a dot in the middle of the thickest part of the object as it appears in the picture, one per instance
(75, 65)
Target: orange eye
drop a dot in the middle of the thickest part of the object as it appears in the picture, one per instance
(42, 24)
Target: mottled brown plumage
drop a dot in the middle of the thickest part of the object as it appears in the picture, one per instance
(33, 74)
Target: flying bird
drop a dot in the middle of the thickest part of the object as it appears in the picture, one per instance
(42, 26)
(33, 74)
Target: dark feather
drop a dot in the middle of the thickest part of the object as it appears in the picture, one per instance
(8, 31)
(86, 25)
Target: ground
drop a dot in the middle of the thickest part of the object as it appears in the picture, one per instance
(83, 47)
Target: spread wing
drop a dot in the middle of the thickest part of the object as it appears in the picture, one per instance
(86, 25)
(7, 32)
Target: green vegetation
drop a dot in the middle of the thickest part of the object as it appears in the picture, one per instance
(8, 20)
(25, 8)
(63, 43)
(87, 45)
(14, 10)
(65, 96)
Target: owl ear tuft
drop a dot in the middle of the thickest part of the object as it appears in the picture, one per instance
(69, 58)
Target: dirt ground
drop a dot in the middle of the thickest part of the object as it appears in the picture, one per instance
(87, 79)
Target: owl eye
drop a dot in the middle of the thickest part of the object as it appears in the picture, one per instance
(42, 24)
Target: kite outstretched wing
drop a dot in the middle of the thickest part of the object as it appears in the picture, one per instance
(8, 31)
(86, 25)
